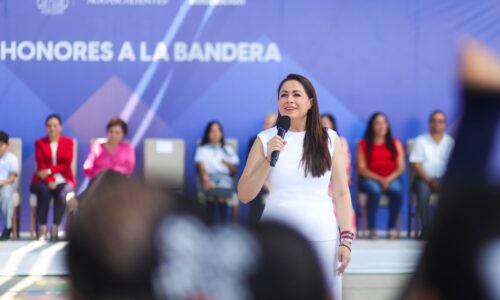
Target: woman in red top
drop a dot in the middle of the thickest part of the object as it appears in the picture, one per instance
(380, 162)
(53, 177)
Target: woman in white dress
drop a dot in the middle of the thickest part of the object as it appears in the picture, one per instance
(298, 184)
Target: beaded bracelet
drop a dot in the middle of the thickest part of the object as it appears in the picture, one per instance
(347, 231)
(346, 247)
(346, 238)
(346, 241)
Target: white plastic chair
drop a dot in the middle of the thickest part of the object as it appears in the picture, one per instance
(164, 162)
(16, 147)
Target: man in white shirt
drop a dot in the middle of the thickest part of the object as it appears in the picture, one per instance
(8, 174)
(429, 158)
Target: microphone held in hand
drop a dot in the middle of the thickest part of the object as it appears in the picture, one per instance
(282, 125)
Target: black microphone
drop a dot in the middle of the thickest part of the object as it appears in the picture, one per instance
(283, 125)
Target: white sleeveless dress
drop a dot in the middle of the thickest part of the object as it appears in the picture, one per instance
(303, 202)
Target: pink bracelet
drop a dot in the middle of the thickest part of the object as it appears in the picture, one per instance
(347, 234)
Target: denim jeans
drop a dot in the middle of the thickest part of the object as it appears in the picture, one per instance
(374, 191)
(423, 191)
(7, 204)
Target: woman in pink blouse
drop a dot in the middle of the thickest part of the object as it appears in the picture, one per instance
(115, 154)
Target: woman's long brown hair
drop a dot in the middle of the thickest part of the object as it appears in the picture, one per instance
(316, 156)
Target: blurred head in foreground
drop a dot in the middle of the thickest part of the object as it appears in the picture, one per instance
(111, 243)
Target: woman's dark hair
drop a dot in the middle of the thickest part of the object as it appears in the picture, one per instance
(332, 120)
(53, 116)
(316, 155)
(287, 267)
(118, 122)
(206, 134)
(370, 136)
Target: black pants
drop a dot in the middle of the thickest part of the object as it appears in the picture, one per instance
(256, 208)
(43, 194)
(212, 205)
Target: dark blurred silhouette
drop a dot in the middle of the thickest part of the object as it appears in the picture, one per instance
(288, 267)
(467, 219)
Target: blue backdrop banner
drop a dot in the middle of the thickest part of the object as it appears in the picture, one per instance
(168, 67)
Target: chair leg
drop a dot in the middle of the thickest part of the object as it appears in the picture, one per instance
(417, 225)
(235, 214)
(32, 222)
(399, 223)
(69, 216)
(363, 222)
(15, 228)
(410, 219)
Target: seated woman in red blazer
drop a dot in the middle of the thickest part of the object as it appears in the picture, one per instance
(53, 177)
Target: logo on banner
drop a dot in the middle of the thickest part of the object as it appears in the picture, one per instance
(52, 7)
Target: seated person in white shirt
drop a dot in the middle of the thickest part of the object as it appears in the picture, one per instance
(217, 164)
(8, 174)
(429, 158)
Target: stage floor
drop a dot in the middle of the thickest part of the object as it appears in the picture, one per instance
(384, 256)
(33, 258)
(36, 270)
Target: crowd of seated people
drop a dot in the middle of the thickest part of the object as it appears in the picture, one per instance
(164, 246)
(380, 164)
(165, 249)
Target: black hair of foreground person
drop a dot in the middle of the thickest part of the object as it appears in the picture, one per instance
(111, 249)
(288, 267)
